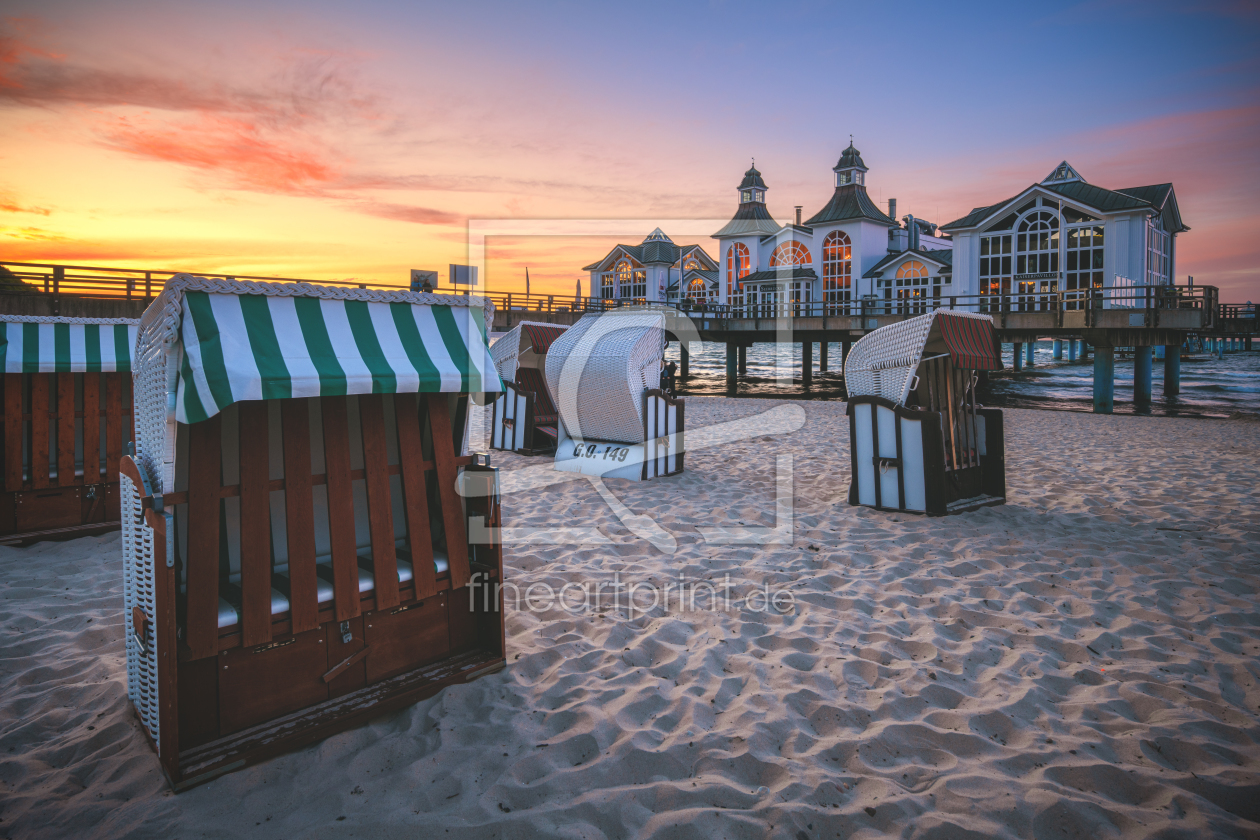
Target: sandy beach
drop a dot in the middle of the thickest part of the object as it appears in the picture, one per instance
(1079, 663)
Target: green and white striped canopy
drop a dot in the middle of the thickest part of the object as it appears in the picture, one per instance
(57, 345)
(263, 347)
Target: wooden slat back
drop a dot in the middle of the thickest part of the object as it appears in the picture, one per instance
(340, 508)
(65, 429)
(39, 430)
(415, 499)
(14, 384)
(92, 428)
(205, 477)
(299, 514)
(452, 510)
(380, 508)
(114, 385)
(255, 524)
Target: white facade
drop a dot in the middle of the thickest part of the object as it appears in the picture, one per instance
(816, 267)
(1087, 239)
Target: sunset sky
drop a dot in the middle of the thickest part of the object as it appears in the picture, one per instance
(357, 140)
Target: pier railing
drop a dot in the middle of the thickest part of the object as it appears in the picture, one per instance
(145, 284)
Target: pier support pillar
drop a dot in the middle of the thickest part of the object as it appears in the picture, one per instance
(1104, 379)
(684, 356)
(743, 360)
(1029, 350)
(1017, 356)
(1142, 375)
(822, 356)
(1071, 349)
(732, 353)
(844, 353)
(1084, 348)
(1058, 349)
(807, 363)
(1172, 370)
(1247, 344)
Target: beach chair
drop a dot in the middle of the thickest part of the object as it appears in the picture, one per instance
(604, 376)
(67, 416)
(307, 542)
(523, 418)
(919, 440)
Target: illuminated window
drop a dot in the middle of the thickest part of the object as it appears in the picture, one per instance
(837, 272)
(630, 282)
(912, 273)
(698, 289)
(1084, 269)
(738, 266)
(692, 264)
(790, 253)
(1036, 257)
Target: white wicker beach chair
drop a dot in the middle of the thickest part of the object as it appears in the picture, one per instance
(604, 378)
(919, 440)
(523, 418)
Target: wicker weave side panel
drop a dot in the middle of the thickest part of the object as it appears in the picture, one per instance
(139, 582)
(597, 371)
(505, 351)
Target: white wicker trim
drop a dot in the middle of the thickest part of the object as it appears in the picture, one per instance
(883, 363)
(139, 590)
(51, 319)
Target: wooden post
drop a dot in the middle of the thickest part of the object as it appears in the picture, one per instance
(684, 356)
(1104, 379)
(1018, 356)
(1142, 375)
(807, 363)
(743, 360)
(1172, 370)
(731, 364)
(822, 356)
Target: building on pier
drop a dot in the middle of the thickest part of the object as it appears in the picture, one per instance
(766, 266)
(655, 270)
(1064, 235)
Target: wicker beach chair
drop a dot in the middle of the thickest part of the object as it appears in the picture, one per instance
(604, 378)
(919, 440)
(523, 417)
(67, 416)
(297, 556)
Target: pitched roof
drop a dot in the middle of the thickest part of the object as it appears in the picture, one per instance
(1101, 199)
(944, 257)
(794, 272)
(653, 250)
(849, 202)
(791, 228)
(751, 217)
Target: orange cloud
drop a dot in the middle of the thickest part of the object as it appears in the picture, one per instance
(232, 146)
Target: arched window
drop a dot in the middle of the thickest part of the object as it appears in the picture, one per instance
(697, 289)
(631, 282)
(692, 264)
(911, 275)
(837, 272)
(738, 266)
(1036, 256)
(790, 253)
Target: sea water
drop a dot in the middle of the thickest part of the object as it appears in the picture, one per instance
(1209, 387)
